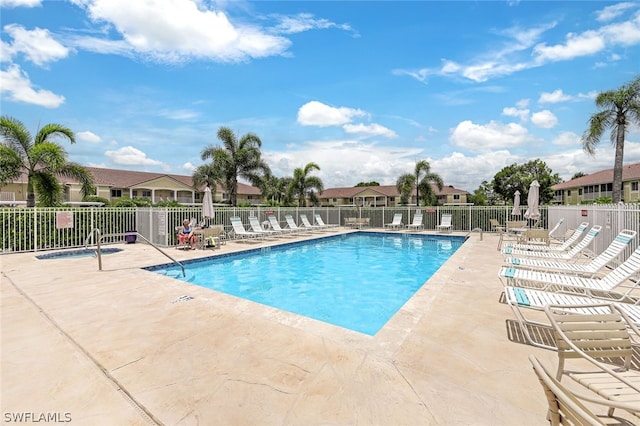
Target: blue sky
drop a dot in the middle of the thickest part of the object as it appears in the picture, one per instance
(363, 89)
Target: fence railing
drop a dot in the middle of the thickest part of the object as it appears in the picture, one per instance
(39, 229)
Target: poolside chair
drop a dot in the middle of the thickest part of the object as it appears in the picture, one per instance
(445, 223)
(609, 283)
(307, 225)
(566, 255)
(520, 300)
(496, 226)
(258, 229)
(568, 243)
(417, 222)
(594, 337)
(275, 225)
(621, 242)
(565, 407)
(555, 228)
(293, 225)
(320, 222)
(240, 232)
(396, 223)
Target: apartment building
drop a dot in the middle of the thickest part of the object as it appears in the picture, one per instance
(597, 185)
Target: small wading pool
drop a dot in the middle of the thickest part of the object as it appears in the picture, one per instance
(77, 253)
(356, 281)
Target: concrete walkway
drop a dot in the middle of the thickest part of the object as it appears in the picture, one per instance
(118, 346)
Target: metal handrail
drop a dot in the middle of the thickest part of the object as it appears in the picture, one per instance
(473, 230)
(135, 233)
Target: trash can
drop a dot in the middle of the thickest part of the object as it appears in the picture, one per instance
(130, 237)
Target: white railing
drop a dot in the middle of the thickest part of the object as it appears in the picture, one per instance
(36, 229)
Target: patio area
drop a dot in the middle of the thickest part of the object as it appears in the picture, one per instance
(124, 346)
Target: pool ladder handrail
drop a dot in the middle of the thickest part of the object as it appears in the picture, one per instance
(475, 229)
(134, 233)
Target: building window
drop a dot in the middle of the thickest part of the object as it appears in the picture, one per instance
(568, 193)
(116, 193)
(146, 194)
(134, 193)
(634, 186)
(456, 197)
(579, 191)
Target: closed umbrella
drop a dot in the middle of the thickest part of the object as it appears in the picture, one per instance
(533, 200)
(207, 204)
(516, 204)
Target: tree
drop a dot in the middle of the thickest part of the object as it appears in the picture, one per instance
(365, 184)
(41, 159)
(303, 184)
(237, 158)
(483, 195)
(407, 181)
(274, 189)
(619, 109)
(577, 175)
(519, 177)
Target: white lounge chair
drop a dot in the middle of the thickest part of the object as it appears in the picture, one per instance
(609, 283)
(396, 223)
(307, 225)
(553, 230)
(569, 242)
(258, 229)
(320, 222)
(521, 299)
(240, 232)
(621, 242)
(275, 225)
(594, 337)
(417, 222)
(567, 408)
(445, 223)
(293, 225)
(566, 255)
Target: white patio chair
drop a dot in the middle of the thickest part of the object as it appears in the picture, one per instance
(621, 242)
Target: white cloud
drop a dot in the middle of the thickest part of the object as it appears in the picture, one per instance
(304, 22)
(545, 119)
(624, 33)
(611, 12)
(491, 136)
(130, 156)
(17, 87)
(37, 45)
(554, 97)
(178, 30)
(20, 3)
(188, 166)
(369, 130)
(315, 113)
(346, 162)
(566, 139)
(468, 172)
(576, 45)
(522, 114)
(88, 137)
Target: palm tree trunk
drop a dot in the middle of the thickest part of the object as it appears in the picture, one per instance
(31, 196)
(616, 195)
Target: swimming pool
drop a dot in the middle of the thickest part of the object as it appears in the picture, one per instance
(356, 281)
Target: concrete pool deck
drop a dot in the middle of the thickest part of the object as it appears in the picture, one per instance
(123, 346)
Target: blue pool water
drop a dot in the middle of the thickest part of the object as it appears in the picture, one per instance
(357, 281)
(77, 253)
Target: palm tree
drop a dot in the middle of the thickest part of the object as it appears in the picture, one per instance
(405, 183)
(303, 184)
(237, 158)
(41, 159)
(619, 109)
